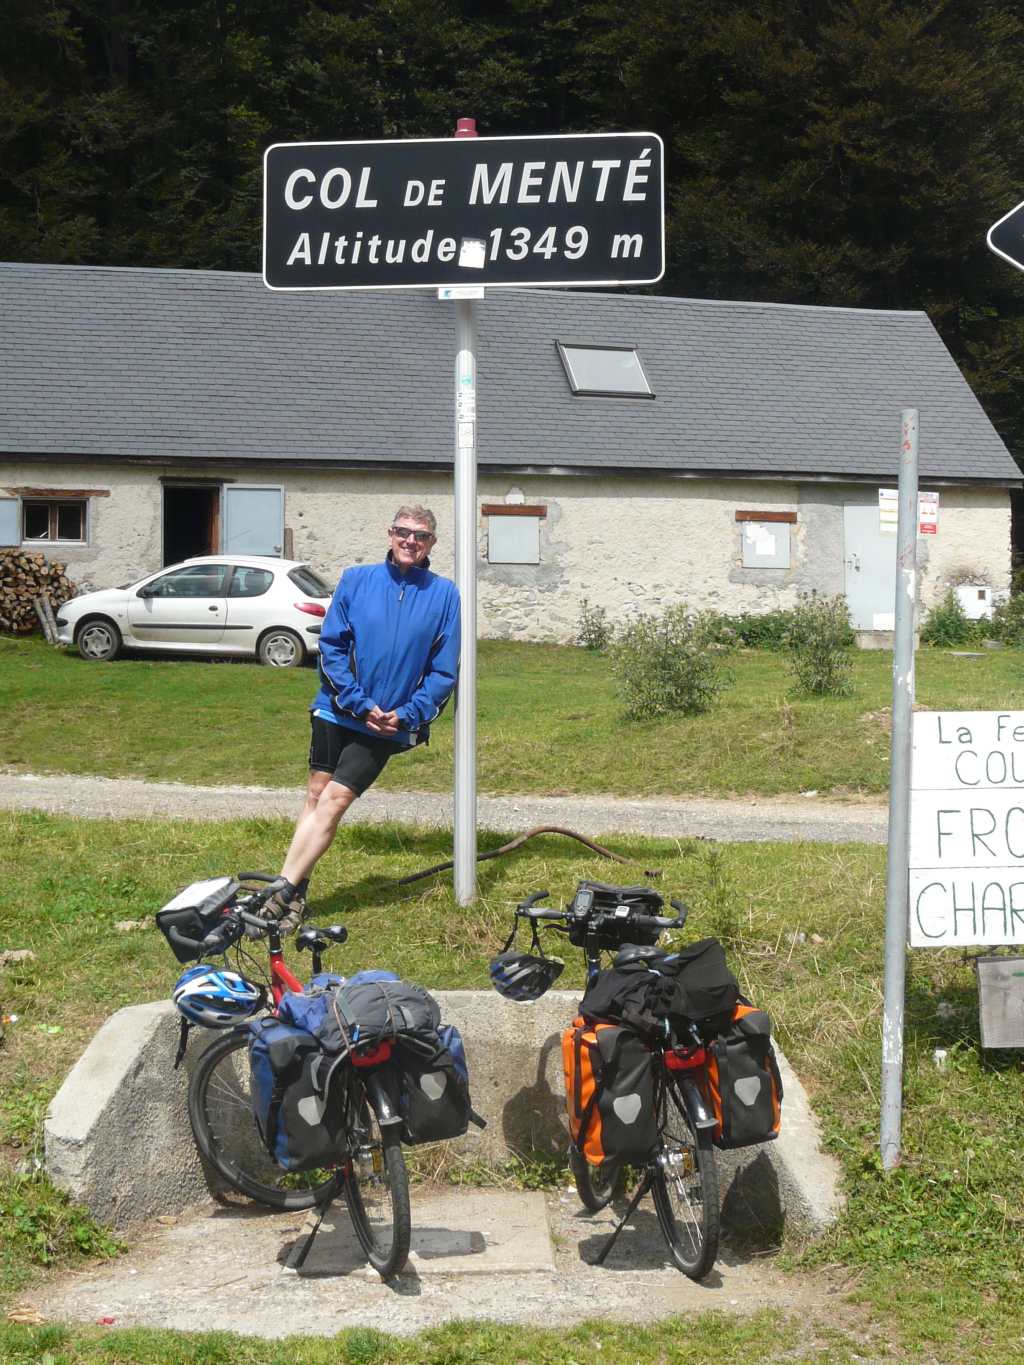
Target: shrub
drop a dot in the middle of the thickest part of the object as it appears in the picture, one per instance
(670, 663)
(819, 642)
(1007, 622)
(947, 624)
(593, 630)
(764, 630)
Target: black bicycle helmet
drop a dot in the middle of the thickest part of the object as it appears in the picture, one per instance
(524, 976)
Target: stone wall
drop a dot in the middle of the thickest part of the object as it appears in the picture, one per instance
(625, 544)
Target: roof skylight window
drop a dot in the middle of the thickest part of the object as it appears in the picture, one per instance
(604, 371)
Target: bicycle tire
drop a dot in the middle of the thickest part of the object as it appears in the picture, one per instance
(377, 1189)
(220, 1111)
(596, 1186)
(685, 1189)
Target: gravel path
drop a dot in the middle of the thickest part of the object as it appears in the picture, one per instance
(742, 819)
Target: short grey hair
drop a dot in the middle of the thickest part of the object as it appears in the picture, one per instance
(415, 512)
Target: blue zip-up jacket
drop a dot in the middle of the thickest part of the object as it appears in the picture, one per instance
(389, 640)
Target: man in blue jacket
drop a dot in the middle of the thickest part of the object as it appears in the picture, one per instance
(389, 660)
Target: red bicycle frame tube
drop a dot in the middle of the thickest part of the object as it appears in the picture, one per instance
(281, 979)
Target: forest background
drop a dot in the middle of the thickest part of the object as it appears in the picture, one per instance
(834, 152)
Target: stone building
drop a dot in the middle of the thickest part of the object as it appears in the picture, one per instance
(633, 450)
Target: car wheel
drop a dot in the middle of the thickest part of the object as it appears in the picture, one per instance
(98, 640)
(280, 648)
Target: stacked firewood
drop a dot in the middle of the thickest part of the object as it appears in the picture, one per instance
(27, 577)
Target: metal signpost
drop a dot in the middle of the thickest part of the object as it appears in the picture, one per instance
(899, 796)
(456, 215)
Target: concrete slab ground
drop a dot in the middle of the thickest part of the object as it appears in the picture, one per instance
(227, 1270)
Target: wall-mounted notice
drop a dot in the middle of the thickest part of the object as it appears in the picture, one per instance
(967, 828)
(888, 512)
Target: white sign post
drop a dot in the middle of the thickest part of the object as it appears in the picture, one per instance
(967, 829)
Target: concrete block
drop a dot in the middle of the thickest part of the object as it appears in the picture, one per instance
(118, 1139)
(117, 1135)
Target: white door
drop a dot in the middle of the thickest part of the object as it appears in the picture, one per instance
(253, 520)
(870, 569)
(185, 607)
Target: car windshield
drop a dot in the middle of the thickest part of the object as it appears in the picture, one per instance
(309, 582)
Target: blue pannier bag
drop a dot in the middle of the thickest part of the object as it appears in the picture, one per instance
(308, 1009)
(291, 1101)
(433, 1086)
(451, 1038)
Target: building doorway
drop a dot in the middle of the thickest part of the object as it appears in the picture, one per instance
(191, 522)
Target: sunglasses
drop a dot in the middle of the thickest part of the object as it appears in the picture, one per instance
(407, 533)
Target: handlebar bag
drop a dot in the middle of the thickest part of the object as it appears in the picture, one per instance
(744, 1087)
(301, 1127)
(609, 1092)
(433, 1086)
(614, 933)
(194, 913)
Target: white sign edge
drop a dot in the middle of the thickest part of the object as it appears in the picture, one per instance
(988, 237)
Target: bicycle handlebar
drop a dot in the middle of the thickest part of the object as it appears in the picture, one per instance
(231, 929)
(598, 917)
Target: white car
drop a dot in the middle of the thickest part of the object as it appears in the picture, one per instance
(217, 604)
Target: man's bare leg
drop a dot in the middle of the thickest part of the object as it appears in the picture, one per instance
(314, 789)
(326, 802)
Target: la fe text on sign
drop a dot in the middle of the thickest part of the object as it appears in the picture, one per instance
(573, 209)
(967, 829)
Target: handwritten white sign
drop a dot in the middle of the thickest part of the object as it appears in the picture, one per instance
(967, 828)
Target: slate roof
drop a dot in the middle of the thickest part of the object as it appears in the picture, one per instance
(176, 365)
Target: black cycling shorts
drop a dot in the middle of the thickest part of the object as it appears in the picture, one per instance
(353, 760)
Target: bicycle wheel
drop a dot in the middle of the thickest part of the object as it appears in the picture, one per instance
(685, 1189)
(220, 1110)
(377, 1188)
(596, 1186)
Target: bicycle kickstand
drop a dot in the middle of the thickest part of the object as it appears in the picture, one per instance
(321, 1210)
(641, 1190)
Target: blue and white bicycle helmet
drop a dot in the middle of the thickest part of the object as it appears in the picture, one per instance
(215, 998)
(524, 976)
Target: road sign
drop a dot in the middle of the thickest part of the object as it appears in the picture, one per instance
(1006, 238)
(573, 209)
(966, 858)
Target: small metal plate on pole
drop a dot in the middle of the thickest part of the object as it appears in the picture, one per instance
(1001, 1000)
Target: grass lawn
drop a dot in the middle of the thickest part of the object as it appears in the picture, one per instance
(548, 722)
(929, 1259)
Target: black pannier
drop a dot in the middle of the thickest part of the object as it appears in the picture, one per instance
(433, 1088)
(295, 1103)
(744, 1087)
